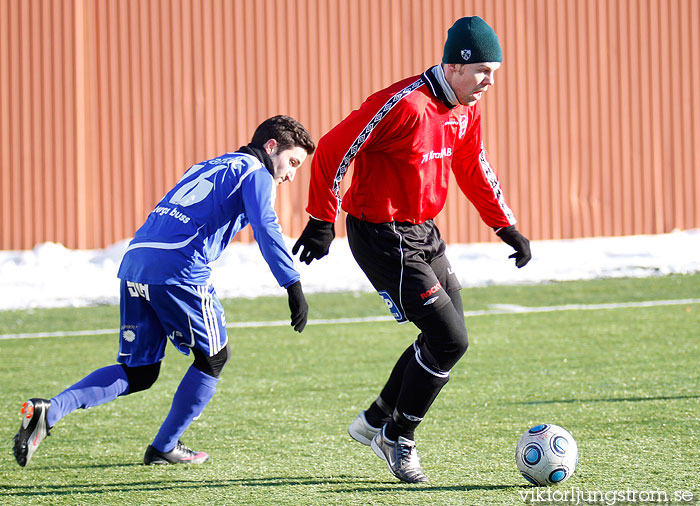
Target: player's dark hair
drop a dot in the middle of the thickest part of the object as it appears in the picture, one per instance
(287, 131)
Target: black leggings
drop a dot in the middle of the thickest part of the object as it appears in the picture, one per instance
(142, 377)
(444, 339)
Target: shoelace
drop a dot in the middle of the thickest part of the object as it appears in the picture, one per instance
(183, 448)
(408, 455)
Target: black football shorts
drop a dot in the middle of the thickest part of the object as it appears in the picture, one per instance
(405, 263)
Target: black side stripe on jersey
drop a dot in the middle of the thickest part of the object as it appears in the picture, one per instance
(491, 177)
(360, 140)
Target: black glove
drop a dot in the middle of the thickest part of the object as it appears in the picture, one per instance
(316, 240)
(518, 242)
(298, 306)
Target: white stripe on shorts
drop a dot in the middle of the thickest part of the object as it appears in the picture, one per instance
(403, 311)
(209, 319)
(217, 332)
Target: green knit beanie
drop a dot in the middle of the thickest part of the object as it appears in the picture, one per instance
(471, 40)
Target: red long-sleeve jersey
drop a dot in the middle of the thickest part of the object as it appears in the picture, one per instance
(404, 140)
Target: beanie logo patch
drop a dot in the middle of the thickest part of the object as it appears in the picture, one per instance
(466, 54)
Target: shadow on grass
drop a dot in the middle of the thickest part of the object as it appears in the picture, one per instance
(611, 399)
(347, 484)
(398, 486)
(166, 484)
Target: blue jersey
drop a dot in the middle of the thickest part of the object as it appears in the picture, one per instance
(197, 219)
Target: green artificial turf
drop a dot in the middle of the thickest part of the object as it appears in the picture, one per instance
(624, 381)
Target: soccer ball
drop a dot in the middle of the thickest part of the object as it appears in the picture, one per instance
(546, 455)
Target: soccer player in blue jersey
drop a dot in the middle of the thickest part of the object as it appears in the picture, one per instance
(165, 293)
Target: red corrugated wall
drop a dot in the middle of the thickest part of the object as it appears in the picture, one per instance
(593, 125)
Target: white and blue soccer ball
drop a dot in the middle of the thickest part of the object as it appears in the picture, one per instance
(546, 455)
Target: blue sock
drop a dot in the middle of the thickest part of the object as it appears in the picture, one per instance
(98, 387)
(195, 391)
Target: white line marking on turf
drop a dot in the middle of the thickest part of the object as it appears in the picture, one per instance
(496, 310)
(66, 333)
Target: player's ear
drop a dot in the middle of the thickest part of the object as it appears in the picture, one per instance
(270, 146)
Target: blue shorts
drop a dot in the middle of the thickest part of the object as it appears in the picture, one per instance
(190, 316)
